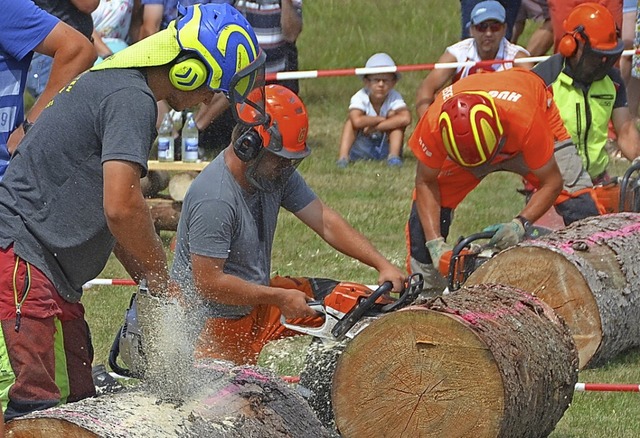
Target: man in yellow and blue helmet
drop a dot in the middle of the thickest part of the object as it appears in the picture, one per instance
(72, 194)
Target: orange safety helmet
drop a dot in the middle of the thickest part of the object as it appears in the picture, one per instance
(470, 128)
(595, 26)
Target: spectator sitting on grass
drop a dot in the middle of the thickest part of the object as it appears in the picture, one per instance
(378, 117)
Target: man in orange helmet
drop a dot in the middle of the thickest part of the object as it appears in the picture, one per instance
(226, 232)
(482, 124)
(589, 90)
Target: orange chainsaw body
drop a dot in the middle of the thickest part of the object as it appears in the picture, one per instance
(346, 296)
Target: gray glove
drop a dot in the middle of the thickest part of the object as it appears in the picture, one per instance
(507, 234)
(437, 247)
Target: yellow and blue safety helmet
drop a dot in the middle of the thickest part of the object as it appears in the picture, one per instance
(224, 43)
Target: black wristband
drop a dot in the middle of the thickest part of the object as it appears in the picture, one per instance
(26, 125)
(525, 223)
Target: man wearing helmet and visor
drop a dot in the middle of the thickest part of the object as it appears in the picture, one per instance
(226, 231)
(72, 194)
(482, 124)
(589, 90)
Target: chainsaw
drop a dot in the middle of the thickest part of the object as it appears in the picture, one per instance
(349, 307)
(466, 256)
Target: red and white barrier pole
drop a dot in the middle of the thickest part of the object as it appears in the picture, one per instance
(607, 387)
(109, 282)
(311, 74)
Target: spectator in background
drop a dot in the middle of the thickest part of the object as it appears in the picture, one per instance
(511, 12)
(542, 38)
(559, 11)
(487, 42)
(111, 26)
(378, 117)
(633, 89)
(77, 14)
(25, 29)
(629, 15)
(589, 90)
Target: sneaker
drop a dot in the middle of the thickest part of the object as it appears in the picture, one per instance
(342, 163)
(103, 381)
(394, 162)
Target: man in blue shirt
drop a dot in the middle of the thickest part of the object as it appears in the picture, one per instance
(25, 28)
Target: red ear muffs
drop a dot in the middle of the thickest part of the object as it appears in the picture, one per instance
(568, 45)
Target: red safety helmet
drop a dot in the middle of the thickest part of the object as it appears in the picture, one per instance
(470, 128)
(286, 133)
(592, 24)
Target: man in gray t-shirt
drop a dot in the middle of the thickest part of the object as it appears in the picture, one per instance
(226, 231)
(71, 195)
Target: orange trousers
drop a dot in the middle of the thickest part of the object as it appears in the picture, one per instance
(241, 340)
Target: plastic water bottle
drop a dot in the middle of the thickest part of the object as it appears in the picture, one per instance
(165, 139)
(190, 140)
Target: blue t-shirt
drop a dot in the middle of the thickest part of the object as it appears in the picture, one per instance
(23, 26)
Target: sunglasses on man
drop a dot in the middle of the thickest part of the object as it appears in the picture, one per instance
(494, 27)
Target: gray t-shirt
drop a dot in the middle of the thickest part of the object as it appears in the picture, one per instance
(221, 220)
(51, 198)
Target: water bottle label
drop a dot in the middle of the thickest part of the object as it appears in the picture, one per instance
(163, 145)
(192, 145)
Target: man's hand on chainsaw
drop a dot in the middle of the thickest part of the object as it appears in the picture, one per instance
(293, 304)
(393, 275)
(507, 234)
(437, 248)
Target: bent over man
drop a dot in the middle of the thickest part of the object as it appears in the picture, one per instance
(482, 124)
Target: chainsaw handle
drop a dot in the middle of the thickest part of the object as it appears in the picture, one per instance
(345, 324)
(415, 285)
(463, 243)
(624, 182)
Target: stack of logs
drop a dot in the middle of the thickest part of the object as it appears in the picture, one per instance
(165, 209)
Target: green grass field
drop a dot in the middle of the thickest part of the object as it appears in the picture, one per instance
(374, 198)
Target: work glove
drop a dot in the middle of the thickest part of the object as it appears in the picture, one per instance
(437, 248)
(507, 234)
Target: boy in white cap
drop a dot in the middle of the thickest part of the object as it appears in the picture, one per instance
(378, 117)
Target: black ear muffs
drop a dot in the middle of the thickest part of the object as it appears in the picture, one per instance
(568, 44)
(248, 145)
(188, 72)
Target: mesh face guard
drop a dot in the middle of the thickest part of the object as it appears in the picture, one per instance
(270, 172)
(246, 94)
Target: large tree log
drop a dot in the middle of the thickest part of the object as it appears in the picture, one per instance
(155, 182)
(489, 361)
(165, 213)
(179, 184)
(221, 401)
(589, 273)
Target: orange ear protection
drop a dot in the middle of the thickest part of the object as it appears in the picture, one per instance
(568, 44)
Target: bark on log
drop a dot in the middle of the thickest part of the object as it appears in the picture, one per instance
(589, 273)
(222, 401)
(155, 182)
(165, 213)
(179, 184)
(489, 360)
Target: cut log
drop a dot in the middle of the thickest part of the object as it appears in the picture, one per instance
(165, 213)
(589, 273)
(179, 184)
(155, 182)
(222, 401)
(489, 361)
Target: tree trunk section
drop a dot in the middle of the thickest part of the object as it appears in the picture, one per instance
(221, 401)
(165, 213)
(155, 182)
(588, 273)
(179, 184)
(487, 361)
